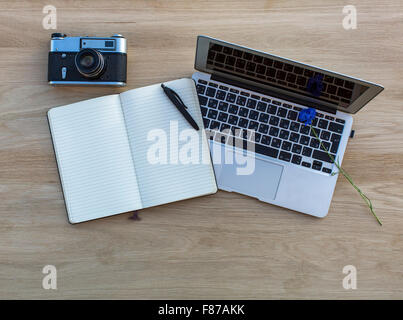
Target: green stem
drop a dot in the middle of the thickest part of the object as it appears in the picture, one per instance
(347, 176)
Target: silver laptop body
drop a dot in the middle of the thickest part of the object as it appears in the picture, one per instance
(254, 98)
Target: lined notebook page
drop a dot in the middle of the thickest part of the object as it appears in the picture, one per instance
(94, 159)
(148, 110)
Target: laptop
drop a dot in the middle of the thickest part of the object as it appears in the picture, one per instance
(255, 97)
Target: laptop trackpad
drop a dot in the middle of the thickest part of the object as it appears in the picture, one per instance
(261, 183)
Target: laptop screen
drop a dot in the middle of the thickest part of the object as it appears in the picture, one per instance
(332, 89)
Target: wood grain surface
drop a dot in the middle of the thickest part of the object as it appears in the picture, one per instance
(221, 246)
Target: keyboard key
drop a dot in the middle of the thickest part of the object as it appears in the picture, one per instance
(276, 142)
(304, 140)
(206, 122)
(317, 165)
(294, 126)
(231, 97)
(285, 156)
(296, 159)
(264, 117)
(321, 155)
(326, 170)
(220, 95)
(225, 128)
(286, 146)
(261, 106)
(274, 121)
(274, 131)
(284, 123)
(256, 137)
(329, 118)
(233, 109)
(335, 137)
(267, 151)
(203, 111)
(223, 106)
(326, 145)
(335, 127)
(284, 134)
(272, 109)
(212, 114)
(223, 88)
(294, 137)
(266, 139)
(281, 112)
(241, 101)
(306, 152)
(210, 92)
(304, 129)
(340, 121)
(202, 81)
(243, 112)
(278, 103)
(212, 84)
(200, 89)
(312, 134)
(203, 100)
(325, 135)
(251, 104)
(306, 164)
(234, 90)
(245, 94)
(292, 115)
(263, 128)
(323, 123)
(253, 115)
(314, 143)
(296, 148)
(214, 125)
(233, 120)
(213, 103)
(222, 116)
(243, 123)
(253, 125)
(335, 147)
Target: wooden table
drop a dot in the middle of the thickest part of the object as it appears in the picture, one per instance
(221, 246)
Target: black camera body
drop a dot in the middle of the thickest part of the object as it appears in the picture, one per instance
(87, 60)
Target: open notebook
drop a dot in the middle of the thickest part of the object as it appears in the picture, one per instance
(111, 156)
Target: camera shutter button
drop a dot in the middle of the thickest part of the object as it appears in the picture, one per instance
(64, 72)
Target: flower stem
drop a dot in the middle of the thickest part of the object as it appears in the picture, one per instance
(347, 176)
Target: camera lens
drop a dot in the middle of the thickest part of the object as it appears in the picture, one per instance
(87, 61)
(90, 63)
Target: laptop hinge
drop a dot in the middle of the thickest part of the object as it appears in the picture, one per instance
(271, 93)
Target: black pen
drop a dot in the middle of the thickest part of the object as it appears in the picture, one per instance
(177, 101)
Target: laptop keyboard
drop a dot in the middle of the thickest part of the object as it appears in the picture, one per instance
(271, 125)
(278, 73)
